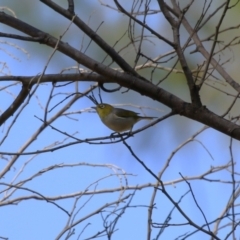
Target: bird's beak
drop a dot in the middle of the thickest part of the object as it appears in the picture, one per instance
(94, 108)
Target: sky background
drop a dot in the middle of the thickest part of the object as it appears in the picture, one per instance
(94, 166)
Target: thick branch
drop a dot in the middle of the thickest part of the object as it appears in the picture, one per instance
(202, 114)
(16, 104)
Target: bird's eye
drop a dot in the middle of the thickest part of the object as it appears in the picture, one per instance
(101, 105)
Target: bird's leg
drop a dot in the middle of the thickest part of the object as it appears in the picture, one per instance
(130, 134)
(112, 135)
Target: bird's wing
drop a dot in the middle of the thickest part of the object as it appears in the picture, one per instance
(126, 113)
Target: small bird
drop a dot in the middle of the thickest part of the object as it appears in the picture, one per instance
(118, 119)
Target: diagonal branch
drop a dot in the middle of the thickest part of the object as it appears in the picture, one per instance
(16, 103)
(93, 35)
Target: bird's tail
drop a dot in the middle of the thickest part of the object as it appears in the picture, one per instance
(147, 118)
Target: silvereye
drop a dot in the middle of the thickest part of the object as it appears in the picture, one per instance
(118, 119)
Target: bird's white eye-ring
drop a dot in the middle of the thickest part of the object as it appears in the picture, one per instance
(101, 105)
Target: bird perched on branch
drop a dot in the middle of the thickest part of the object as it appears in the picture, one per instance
(118, 119)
